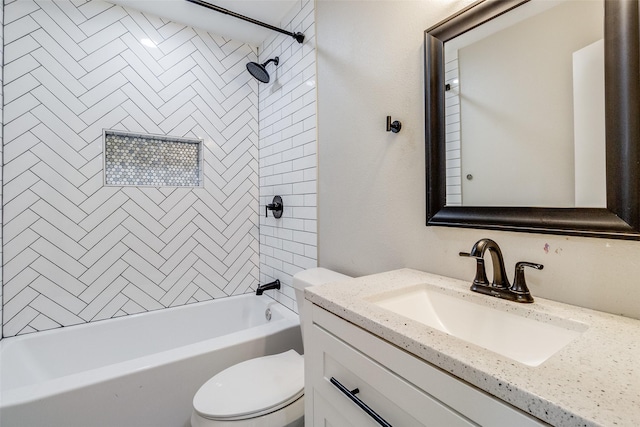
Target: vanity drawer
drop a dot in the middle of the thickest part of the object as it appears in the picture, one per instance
(391, 397)
(401, 388)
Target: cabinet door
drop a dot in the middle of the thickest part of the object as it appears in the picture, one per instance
(402, 389)
(380, 393)
(326, 415)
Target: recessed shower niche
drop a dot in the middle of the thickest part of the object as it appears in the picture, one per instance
(135, 159)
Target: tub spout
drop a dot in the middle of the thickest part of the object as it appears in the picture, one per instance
(273, 285)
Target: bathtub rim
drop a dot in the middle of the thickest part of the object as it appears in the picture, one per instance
(33, 392)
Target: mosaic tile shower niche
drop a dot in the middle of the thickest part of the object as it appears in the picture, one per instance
(133, 159)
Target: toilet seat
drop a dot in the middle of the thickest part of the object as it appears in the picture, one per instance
(252, 388)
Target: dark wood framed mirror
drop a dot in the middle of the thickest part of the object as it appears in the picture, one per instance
(621, 216)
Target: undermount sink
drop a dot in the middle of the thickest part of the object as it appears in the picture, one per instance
(524, 339)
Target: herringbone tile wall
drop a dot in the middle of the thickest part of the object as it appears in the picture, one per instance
(288, 164)
(76, 251)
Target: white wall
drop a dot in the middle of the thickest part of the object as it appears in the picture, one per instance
(371, 196)
(76, 251)
(589, 126)
(288, 164)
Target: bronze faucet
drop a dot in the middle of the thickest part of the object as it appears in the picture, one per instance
(499, 286)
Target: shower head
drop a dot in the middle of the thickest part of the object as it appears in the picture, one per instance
(259, 71)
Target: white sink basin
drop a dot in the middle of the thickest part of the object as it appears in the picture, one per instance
(526, 340)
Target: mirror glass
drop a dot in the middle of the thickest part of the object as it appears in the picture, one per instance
(542, 176)
(524, 108)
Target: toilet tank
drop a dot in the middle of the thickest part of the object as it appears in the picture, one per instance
(311, 277)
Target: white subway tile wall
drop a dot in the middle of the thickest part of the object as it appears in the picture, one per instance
(76, 251)
(1, 145)
(288, 163)
(452, 130)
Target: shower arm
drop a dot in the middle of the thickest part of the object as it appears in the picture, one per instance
(298, 36)
(275, 60)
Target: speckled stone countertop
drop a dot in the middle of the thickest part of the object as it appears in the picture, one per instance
(593, 381)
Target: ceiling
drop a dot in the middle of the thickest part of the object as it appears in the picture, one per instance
(268, 11)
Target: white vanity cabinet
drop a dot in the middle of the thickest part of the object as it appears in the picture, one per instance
(400, 388)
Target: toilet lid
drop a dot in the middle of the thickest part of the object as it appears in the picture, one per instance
(252, 388)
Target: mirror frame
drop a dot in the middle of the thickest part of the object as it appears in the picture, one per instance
(621, 218)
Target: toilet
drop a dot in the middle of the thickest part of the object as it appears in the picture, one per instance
(262, 392)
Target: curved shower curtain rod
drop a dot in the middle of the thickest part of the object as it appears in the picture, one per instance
(298, 36)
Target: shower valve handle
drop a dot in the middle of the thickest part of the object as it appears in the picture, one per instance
(276, 206)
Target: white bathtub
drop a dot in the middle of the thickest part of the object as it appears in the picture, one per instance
(137, 371)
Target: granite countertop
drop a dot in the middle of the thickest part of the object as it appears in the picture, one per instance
(593, 381)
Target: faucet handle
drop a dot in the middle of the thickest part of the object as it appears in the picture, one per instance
(520, 284)
(481, 275)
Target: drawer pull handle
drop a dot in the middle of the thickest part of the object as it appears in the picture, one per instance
(352, 395)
